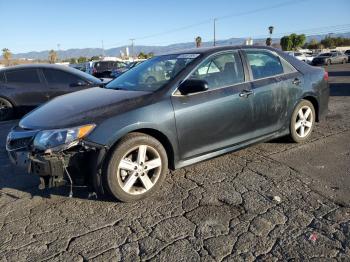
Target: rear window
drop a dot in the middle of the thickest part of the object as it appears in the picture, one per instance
(28, 76)
(109, 65)
(264, 64)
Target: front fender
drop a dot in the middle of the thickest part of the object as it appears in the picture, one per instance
(109, 131)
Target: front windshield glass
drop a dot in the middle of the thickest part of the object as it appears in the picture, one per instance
(326, 54)
(152, 74)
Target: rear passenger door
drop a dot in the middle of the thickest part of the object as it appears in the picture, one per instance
(60, 82)
(27, 86)
(275, 84)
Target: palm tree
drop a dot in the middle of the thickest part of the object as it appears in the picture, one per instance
(6, 54)
(269, 39)
(52, 57)
(198, 41)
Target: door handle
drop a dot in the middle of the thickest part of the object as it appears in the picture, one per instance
(246, 93)
(296, 81)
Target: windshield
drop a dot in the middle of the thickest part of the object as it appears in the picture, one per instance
(152, 74)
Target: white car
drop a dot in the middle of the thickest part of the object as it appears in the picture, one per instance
(298, 55)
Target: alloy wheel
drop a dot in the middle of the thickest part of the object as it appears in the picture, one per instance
(304, 121)
(139, 170)
(5, 110)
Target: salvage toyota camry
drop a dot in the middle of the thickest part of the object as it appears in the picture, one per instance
(169, 112)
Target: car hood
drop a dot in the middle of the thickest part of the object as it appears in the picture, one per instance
(92, 105)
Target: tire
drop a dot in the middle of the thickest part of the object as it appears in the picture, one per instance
(301, 127)
(344, 61)
(151, 80)
(128, 176)
(328, 62)
(6, 109)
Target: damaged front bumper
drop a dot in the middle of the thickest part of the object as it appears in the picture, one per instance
(78, 165)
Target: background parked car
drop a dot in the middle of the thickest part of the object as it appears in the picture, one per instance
(102, 69)
(117, 72)
(298, 55)
(334, 57)
(347, 53)
(24, 87)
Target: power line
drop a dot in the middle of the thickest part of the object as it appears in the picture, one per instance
(207, 21)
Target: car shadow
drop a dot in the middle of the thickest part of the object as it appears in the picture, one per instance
(339, 89)
(14, 179)
(339, 73)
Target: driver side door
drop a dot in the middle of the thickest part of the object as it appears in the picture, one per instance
(218, 117)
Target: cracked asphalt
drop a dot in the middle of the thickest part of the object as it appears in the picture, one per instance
(273, 201)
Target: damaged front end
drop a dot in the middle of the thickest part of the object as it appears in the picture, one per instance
(59, 157)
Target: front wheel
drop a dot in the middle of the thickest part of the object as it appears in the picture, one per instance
(328, 62)
(137, 167)
(344, 61)
(302, 121)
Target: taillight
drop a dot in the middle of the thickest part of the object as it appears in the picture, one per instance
(325, 76)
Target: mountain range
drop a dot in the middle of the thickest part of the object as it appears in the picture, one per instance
(89, 52)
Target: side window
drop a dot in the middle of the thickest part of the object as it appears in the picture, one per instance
(60, 77)
(222, 70)
(28, 76)
(264, 63)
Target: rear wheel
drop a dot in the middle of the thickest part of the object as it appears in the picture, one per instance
(6, 109)
(328, 62)
(137, 167)
(344, 61)
(302, 121)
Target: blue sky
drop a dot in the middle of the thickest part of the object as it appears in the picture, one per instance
(29, 25)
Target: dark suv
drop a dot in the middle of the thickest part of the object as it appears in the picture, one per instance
(202, 103)
(24, 87)
(103, 69)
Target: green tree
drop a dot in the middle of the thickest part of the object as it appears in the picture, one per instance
(286, 43)
(297, 40)
(198, 41)
(292, 42)
(314, 44)
(52, 56)
(73, 61)
(268, 41)
(6, 54)
(142, 55)
(82, 59)
(93, 58)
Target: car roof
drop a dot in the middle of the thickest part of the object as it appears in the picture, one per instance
(53, 66)
(50, 66)
(214, 49)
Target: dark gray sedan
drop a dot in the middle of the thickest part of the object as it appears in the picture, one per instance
(121, 139)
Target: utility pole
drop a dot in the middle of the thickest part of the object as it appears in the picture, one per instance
(132, 47)
(214, 32)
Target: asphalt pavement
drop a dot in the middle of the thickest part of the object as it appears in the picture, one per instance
(273, 201)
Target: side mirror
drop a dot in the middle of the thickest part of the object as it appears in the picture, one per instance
(191, 86)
